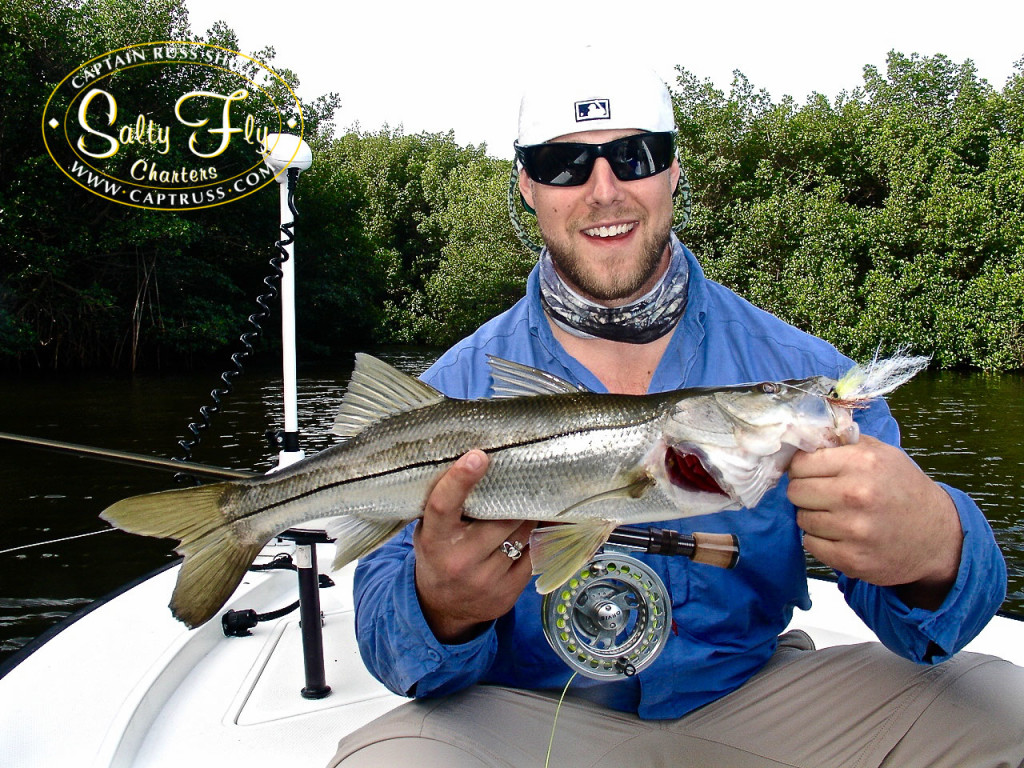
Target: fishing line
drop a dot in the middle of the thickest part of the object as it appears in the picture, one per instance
(554, 723)
(54, 541)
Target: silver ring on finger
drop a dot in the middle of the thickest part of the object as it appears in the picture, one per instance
(513, 550)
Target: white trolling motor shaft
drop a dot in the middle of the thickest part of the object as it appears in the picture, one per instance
(287, 156)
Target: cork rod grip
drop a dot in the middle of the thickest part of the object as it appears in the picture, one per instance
(718, 549)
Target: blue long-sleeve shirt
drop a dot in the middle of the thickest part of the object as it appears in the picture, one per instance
(725, 622)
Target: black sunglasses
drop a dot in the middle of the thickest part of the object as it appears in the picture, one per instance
(569, 164)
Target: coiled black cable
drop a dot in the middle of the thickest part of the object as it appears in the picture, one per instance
(196, 429)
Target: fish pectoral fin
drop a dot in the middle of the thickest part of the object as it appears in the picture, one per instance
(558, 551)
(356, 536)
(633, 490)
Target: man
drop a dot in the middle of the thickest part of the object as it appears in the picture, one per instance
(446, 613)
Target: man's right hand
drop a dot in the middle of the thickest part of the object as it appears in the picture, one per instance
(463, 577)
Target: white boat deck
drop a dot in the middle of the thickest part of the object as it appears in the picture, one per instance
(175, 694)
(127, 685)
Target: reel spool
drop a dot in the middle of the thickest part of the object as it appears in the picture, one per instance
(611, 619)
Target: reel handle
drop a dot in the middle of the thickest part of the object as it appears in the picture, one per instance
(719, 549)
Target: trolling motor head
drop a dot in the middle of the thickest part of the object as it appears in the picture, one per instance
(285, 150)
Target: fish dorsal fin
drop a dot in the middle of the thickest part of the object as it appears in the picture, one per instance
(376, 391)
(518, 380)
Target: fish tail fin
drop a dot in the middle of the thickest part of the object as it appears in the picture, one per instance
(558, 551)
(216, 559)
(356, 536)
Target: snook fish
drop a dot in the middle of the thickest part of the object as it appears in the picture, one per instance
(558, 454)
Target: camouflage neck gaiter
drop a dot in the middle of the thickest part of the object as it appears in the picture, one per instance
(648, 318)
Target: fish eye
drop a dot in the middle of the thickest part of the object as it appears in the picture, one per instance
(770, 388)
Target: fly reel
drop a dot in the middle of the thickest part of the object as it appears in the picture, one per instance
(611, 619)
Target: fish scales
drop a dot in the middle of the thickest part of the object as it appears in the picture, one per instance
(592, 461)
(537, 468)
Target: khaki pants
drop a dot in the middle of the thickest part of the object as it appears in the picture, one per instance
(850, 706)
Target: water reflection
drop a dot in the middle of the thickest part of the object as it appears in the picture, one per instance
(965, 430)
(962, 429)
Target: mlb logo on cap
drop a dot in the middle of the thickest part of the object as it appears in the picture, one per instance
(593, 109)
(574, 93)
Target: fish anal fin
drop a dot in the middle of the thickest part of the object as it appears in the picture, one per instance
(376, 391)
(633, 490)
(558, 551)
(356, 536)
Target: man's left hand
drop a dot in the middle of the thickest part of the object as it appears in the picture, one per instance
(869, 511)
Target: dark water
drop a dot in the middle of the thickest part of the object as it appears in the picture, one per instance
(963, 429)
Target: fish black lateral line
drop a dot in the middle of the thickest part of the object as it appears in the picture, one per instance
(591, 462)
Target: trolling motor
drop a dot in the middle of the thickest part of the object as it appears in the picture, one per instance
(613, 617)
(288, 156)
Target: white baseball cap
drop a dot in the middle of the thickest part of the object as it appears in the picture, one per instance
(591, 91)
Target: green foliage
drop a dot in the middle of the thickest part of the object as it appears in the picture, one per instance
(890, 215)
(483, 268)
(90, 283)
(405, 185)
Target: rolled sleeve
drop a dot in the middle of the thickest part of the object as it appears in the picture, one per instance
(929, 637)
(395, 641)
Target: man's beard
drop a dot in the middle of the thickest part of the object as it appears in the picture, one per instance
(616, 288)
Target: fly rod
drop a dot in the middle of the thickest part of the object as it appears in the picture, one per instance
(126, 457)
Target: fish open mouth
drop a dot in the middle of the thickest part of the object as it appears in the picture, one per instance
(686, 470)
